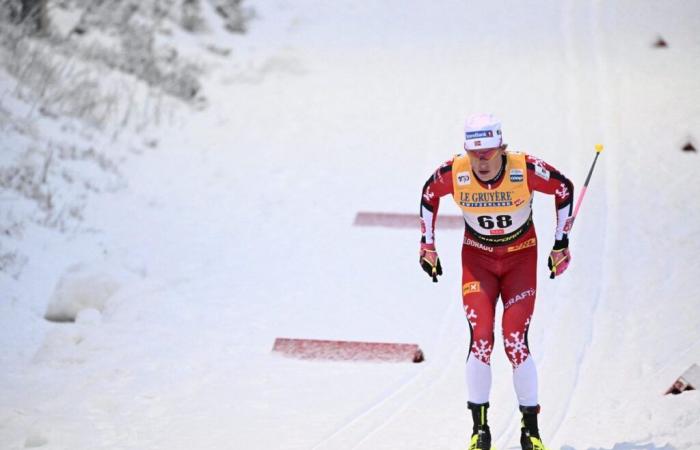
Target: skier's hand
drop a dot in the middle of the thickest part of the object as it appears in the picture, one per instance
(429, 261)
(559, 259)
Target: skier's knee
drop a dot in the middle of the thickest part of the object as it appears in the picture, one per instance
(481, 348)
(517, 350)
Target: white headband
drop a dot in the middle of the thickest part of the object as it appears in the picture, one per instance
(482, 131)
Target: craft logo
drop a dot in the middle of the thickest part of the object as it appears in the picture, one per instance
(463, 178)
(478, 134)
(519, 297)
(527, 244)
(516, 175)
(471, 288)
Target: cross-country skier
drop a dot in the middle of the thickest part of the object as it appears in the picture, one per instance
(494, 189)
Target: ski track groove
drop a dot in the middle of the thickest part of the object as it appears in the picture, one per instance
(409, 401)
(572, 94)
(603, 91)
(368, 422)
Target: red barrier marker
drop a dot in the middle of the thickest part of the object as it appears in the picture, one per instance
(396, 220)
(689, 381)
(348, 350)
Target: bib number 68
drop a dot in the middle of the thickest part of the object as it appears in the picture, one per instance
(488, 222)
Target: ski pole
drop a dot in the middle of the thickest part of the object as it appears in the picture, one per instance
(570, 220)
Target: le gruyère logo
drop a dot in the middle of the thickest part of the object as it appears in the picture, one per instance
(486, 199)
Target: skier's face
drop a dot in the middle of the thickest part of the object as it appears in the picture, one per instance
(486, 163)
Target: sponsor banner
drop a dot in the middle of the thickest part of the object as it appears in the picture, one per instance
(486, 199)
(473, 243)
(527, 244)
(478, 134)
(501, 240)
(486, 204)
(472, 287)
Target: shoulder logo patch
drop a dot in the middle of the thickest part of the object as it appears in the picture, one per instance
(541, 172)
(516, 175)
(463, 178)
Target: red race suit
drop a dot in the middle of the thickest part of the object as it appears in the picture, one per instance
(499, 255)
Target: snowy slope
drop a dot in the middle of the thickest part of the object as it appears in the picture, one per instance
(238, 229)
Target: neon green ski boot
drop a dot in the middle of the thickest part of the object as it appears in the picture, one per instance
(481, 434)
(529, 432)
(481, 440)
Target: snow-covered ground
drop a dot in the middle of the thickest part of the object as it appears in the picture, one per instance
(237, 229)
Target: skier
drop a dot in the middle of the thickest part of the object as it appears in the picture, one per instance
(494, 189)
